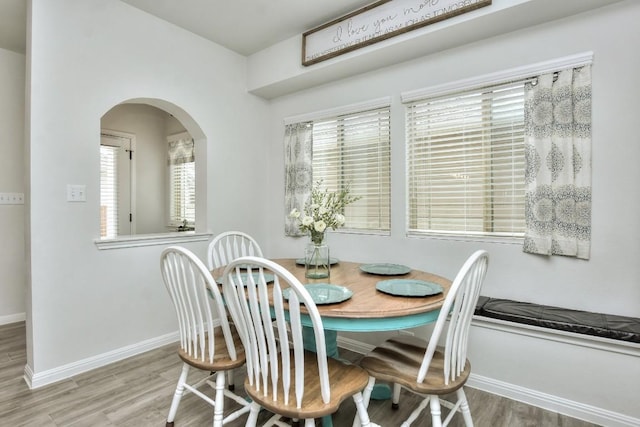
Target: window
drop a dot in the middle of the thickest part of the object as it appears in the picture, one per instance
(182, 182)
(465, 154)
(354, 150)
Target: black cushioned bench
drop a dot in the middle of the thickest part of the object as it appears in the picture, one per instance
(582, 322)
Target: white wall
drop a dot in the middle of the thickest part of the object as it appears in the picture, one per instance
(84, 58)
(610, 281)
(12, 249)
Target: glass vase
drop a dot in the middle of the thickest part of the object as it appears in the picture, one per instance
(316, 261)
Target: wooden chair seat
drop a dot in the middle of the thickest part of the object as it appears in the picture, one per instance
(398, 361)
(222, 361)
(345, 380)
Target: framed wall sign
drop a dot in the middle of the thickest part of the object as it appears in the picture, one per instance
(378, 21)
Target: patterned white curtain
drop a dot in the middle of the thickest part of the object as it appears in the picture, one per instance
(558, 164)
(181, 151)
(298, 172)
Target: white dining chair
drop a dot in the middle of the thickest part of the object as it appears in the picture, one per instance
(227, 246)
(224, 248)
(208, 341)
(422, 367)
(283, 377)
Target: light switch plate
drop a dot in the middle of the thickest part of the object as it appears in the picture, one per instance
(76, 193)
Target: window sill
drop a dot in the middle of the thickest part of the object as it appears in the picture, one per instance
(510, 240)
(151, 240)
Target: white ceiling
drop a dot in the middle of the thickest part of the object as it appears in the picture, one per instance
(244, 26)
(248, 26)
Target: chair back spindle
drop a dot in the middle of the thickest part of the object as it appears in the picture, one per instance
(230, 245)
(458, 309)
(207, 341)
(198, 304)
(272, 330)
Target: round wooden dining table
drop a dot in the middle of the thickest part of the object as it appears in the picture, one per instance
(370, 310)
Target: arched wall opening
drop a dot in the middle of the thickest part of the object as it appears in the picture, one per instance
(144, 190)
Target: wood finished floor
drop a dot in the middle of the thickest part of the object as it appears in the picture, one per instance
(137, 392)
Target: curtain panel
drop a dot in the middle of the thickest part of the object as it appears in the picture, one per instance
(558, 164)
(181, 151)
(298, 139)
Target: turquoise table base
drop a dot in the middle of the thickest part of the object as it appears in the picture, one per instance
(330, 341)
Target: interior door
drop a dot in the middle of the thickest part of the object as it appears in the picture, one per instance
(120, 147)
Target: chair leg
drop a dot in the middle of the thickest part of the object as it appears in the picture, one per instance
(252, 420)
(436, 415)
(177, 395)
(230, 382)
(218, 409)
(464, 407)
(416, 412)
(362, 414)
(395, 401)
(366, 395)
(366, 398)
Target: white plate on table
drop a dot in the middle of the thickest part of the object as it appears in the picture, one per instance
(408, 287)
(324, 293)
(383, 269)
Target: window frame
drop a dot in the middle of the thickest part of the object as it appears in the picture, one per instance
(456, 132)
(338, 114)
(513, 74)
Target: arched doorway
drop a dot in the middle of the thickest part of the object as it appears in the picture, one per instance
(150, 151)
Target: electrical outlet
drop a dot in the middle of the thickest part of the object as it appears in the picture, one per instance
(11, 198)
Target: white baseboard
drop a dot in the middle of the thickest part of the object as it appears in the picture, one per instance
(13, 318)
(354, 345)
(552, 403)
(530, 397)
(39, 379)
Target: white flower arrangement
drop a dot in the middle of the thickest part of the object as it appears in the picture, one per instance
(323, 210)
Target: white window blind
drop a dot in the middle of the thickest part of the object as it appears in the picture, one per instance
(108, 191)
(466, 162)
(182, 182)
(354, 150)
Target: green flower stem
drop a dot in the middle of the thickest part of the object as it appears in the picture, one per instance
(316, 237)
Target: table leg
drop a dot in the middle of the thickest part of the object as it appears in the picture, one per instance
(330, 341)
(331, 344)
